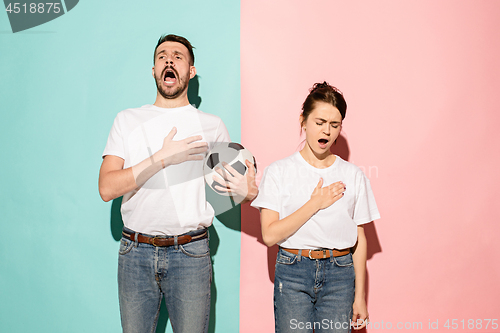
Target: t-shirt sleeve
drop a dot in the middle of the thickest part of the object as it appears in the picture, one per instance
(365, 209)
(115, 145)
(222, 135)
(269, 193)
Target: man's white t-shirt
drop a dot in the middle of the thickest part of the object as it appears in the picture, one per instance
(287, 185)
(172, 202)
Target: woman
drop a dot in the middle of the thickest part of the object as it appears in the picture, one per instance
(313, 205)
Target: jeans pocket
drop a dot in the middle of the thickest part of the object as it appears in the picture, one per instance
(196, 249)
(126, 246)
(344, 261)
(286, 258)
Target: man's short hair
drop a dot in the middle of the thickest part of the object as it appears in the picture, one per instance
(178, 39)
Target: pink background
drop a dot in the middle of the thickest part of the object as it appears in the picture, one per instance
(422, 81)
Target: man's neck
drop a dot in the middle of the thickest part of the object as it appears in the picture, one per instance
(163, 102)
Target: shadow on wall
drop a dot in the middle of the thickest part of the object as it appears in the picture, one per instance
(194, 92)
(250, 222)
(116, 222)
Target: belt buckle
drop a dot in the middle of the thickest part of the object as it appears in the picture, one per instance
(153, 241)
(324, 253)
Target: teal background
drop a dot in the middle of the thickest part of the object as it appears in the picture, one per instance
(62, 83)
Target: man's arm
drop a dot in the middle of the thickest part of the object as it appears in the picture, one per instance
(114, 181)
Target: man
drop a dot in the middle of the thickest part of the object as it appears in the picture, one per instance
(153, 159)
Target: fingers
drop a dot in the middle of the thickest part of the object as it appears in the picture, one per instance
(193, 154)
(354, 323)
(200, 144)
(199, 150)
(192, 139)
(196, 154)
(231, 170)
(318, 190)
(222, 184)
(336, 188)
(339, 188)
(194, 158)
(227, 172)
(171, 134)
(336, 197)
(358, 323)
(223, 189)
(359, 320)
(251, 168)
(336, 185)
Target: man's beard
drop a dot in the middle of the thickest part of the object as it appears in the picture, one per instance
(183, 84)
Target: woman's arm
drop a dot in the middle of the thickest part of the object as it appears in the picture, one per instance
(275, 230)
(359, 309)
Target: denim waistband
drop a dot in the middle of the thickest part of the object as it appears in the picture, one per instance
(190, 233)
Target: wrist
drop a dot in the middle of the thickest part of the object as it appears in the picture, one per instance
(252, 194)
(359, 297)
(315, 206)
(163, 161)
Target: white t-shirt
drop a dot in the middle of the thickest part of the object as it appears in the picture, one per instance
(287, 185)
(173, 201)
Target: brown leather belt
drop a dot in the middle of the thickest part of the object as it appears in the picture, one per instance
(164, 241)
(319, 254)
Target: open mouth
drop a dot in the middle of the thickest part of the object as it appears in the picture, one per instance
(170, 76)
(323, 143)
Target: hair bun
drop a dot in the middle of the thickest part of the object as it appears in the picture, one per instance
(324, 92)
(324, 85)
(321, 85)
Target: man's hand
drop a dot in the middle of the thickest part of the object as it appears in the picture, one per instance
(175, 152)
(172, 152)
(237, 184)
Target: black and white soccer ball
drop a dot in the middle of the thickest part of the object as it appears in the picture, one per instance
(231, 153)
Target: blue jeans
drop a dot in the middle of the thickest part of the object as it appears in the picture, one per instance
(181, 274)
(313, 293)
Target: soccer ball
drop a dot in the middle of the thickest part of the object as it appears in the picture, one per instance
(231, 153)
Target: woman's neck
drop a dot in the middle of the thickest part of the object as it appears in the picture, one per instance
(317, 161)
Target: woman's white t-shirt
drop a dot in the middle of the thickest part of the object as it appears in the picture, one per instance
(287, 185)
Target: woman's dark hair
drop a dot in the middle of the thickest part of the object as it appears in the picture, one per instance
(178, 39)
(323, 92)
